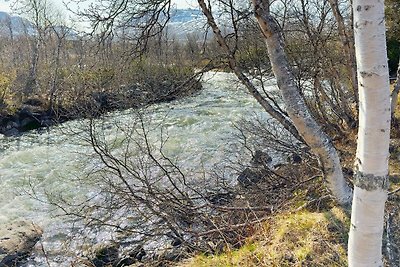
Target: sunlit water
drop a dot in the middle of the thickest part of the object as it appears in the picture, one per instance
(198, 130)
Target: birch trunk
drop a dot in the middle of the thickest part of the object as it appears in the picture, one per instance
(297, 109)
(371, 180)
(242, 77)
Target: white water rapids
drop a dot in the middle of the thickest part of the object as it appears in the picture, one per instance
(198, 128)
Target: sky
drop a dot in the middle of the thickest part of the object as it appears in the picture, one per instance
(5, 4)
(185, 3)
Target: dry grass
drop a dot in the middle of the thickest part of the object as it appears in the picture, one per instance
(303, 238)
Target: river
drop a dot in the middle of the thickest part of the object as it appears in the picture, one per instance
(199, 129)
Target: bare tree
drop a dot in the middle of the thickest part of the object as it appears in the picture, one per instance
(297, 109)
(346, 38)
(61, 32)
(37, 11)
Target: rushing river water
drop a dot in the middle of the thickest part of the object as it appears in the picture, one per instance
(198, 128)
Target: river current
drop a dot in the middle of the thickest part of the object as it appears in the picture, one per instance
(198, 129)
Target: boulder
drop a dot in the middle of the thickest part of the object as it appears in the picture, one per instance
(29, 123)
(11, 132)
(106, 254)
(17, 241)
(133, 257)
(220, 198)
(294, 158)
(171, 254)
(260, 158)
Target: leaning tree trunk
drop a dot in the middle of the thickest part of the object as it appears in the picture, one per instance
(242, 77)
(297, 109)
(371, 180)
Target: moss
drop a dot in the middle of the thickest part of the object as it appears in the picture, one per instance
(293, 239)
(371, 182)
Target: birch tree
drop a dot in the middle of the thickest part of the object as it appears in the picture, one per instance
(371, 180)
(297, 109)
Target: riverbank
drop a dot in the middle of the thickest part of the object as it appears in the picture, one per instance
(34, 114)
(312, 230)
(266, 195)
(17, 241)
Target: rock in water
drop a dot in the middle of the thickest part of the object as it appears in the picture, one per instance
(17, 241)
(104, 254)
(260, 158)
(295, 158)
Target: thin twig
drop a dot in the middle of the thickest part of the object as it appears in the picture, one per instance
(394, 191)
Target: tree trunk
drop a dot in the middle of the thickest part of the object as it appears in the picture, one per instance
(348, 46)
(243, 78)
(297, 109)
(371, 180)
(31, 82)
(54, 82)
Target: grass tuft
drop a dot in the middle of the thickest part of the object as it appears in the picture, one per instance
(294, 239)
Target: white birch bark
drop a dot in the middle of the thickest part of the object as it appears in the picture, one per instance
(371, 181)
(297, 109)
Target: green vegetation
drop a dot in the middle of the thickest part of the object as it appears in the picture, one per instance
(6, 94)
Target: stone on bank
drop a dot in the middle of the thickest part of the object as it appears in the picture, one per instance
(17, 240)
